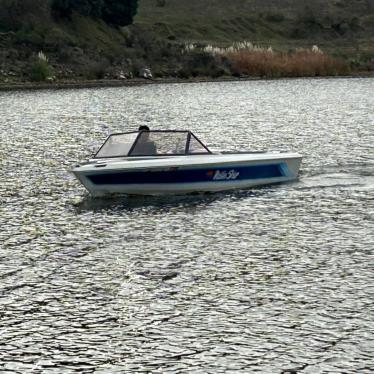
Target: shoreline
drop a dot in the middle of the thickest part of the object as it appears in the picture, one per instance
(108, 83)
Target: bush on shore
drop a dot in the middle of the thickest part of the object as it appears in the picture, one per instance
(40, 69)
(201, 64)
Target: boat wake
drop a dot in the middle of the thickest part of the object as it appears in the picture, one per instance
(356, 176)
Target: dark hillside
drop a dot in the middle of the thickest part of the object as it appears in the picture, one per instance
(341, 28)
(76, 45)
(85, 40)
(339, 25)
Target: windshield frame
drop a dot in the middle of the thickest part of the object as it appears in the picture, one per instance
(186, 151)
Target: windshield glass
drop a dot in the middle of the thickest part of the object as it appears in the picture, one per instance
(151, 143)
(117, 145)
(196, 146)
(160, 143)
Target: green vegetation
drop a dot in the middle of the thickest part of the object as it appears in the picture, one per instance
(40, 71)
(342, 28)
(85, 39)
(65, 8)
(119, 13)
(113, 12)
(261, 21)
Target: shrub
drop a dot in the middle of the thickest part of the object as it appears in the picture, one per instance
(114, 12)
(61, 9)
(201, 63)
(56, 39)
(29, 37)
(95, 70)
(40, 70)
(119, 12)
(65, 8)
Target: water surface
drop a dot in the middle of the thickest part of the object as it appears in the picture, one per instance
(268, 280)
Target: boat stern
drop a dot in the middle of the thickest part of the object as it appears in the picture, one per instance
(291, 166)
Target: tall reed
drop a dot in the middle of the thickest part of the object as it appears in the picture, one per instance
(300, 63)
(248, 59)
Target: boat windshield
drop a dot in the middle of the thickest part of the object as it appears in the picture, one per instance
(152, 143)
(117, 145)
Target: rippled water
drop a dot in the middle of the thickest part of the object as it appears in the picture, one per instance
(269, 280)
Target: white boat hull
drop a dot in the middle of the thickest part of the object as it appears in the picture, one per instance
(186, 174)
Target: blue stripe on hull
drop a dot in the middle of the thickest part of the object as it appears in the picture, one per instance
(191, 175)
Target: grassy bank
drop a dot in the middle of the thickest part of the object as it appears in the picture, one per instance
(342, 28)
(179, 40)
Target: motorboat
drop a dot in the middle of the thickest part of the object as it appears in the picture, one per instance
(161, 162)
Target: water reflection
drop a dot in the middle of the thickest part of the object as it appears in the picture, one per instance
(164, 203)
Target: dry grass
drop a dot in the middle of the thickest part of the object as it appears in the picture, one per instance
(301, 63)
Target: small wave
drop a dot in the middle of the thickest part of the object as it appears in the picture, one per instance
(354, 168)
(336, 180)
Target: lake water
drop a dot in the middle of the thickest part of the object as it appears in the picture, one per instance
(270, 280)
